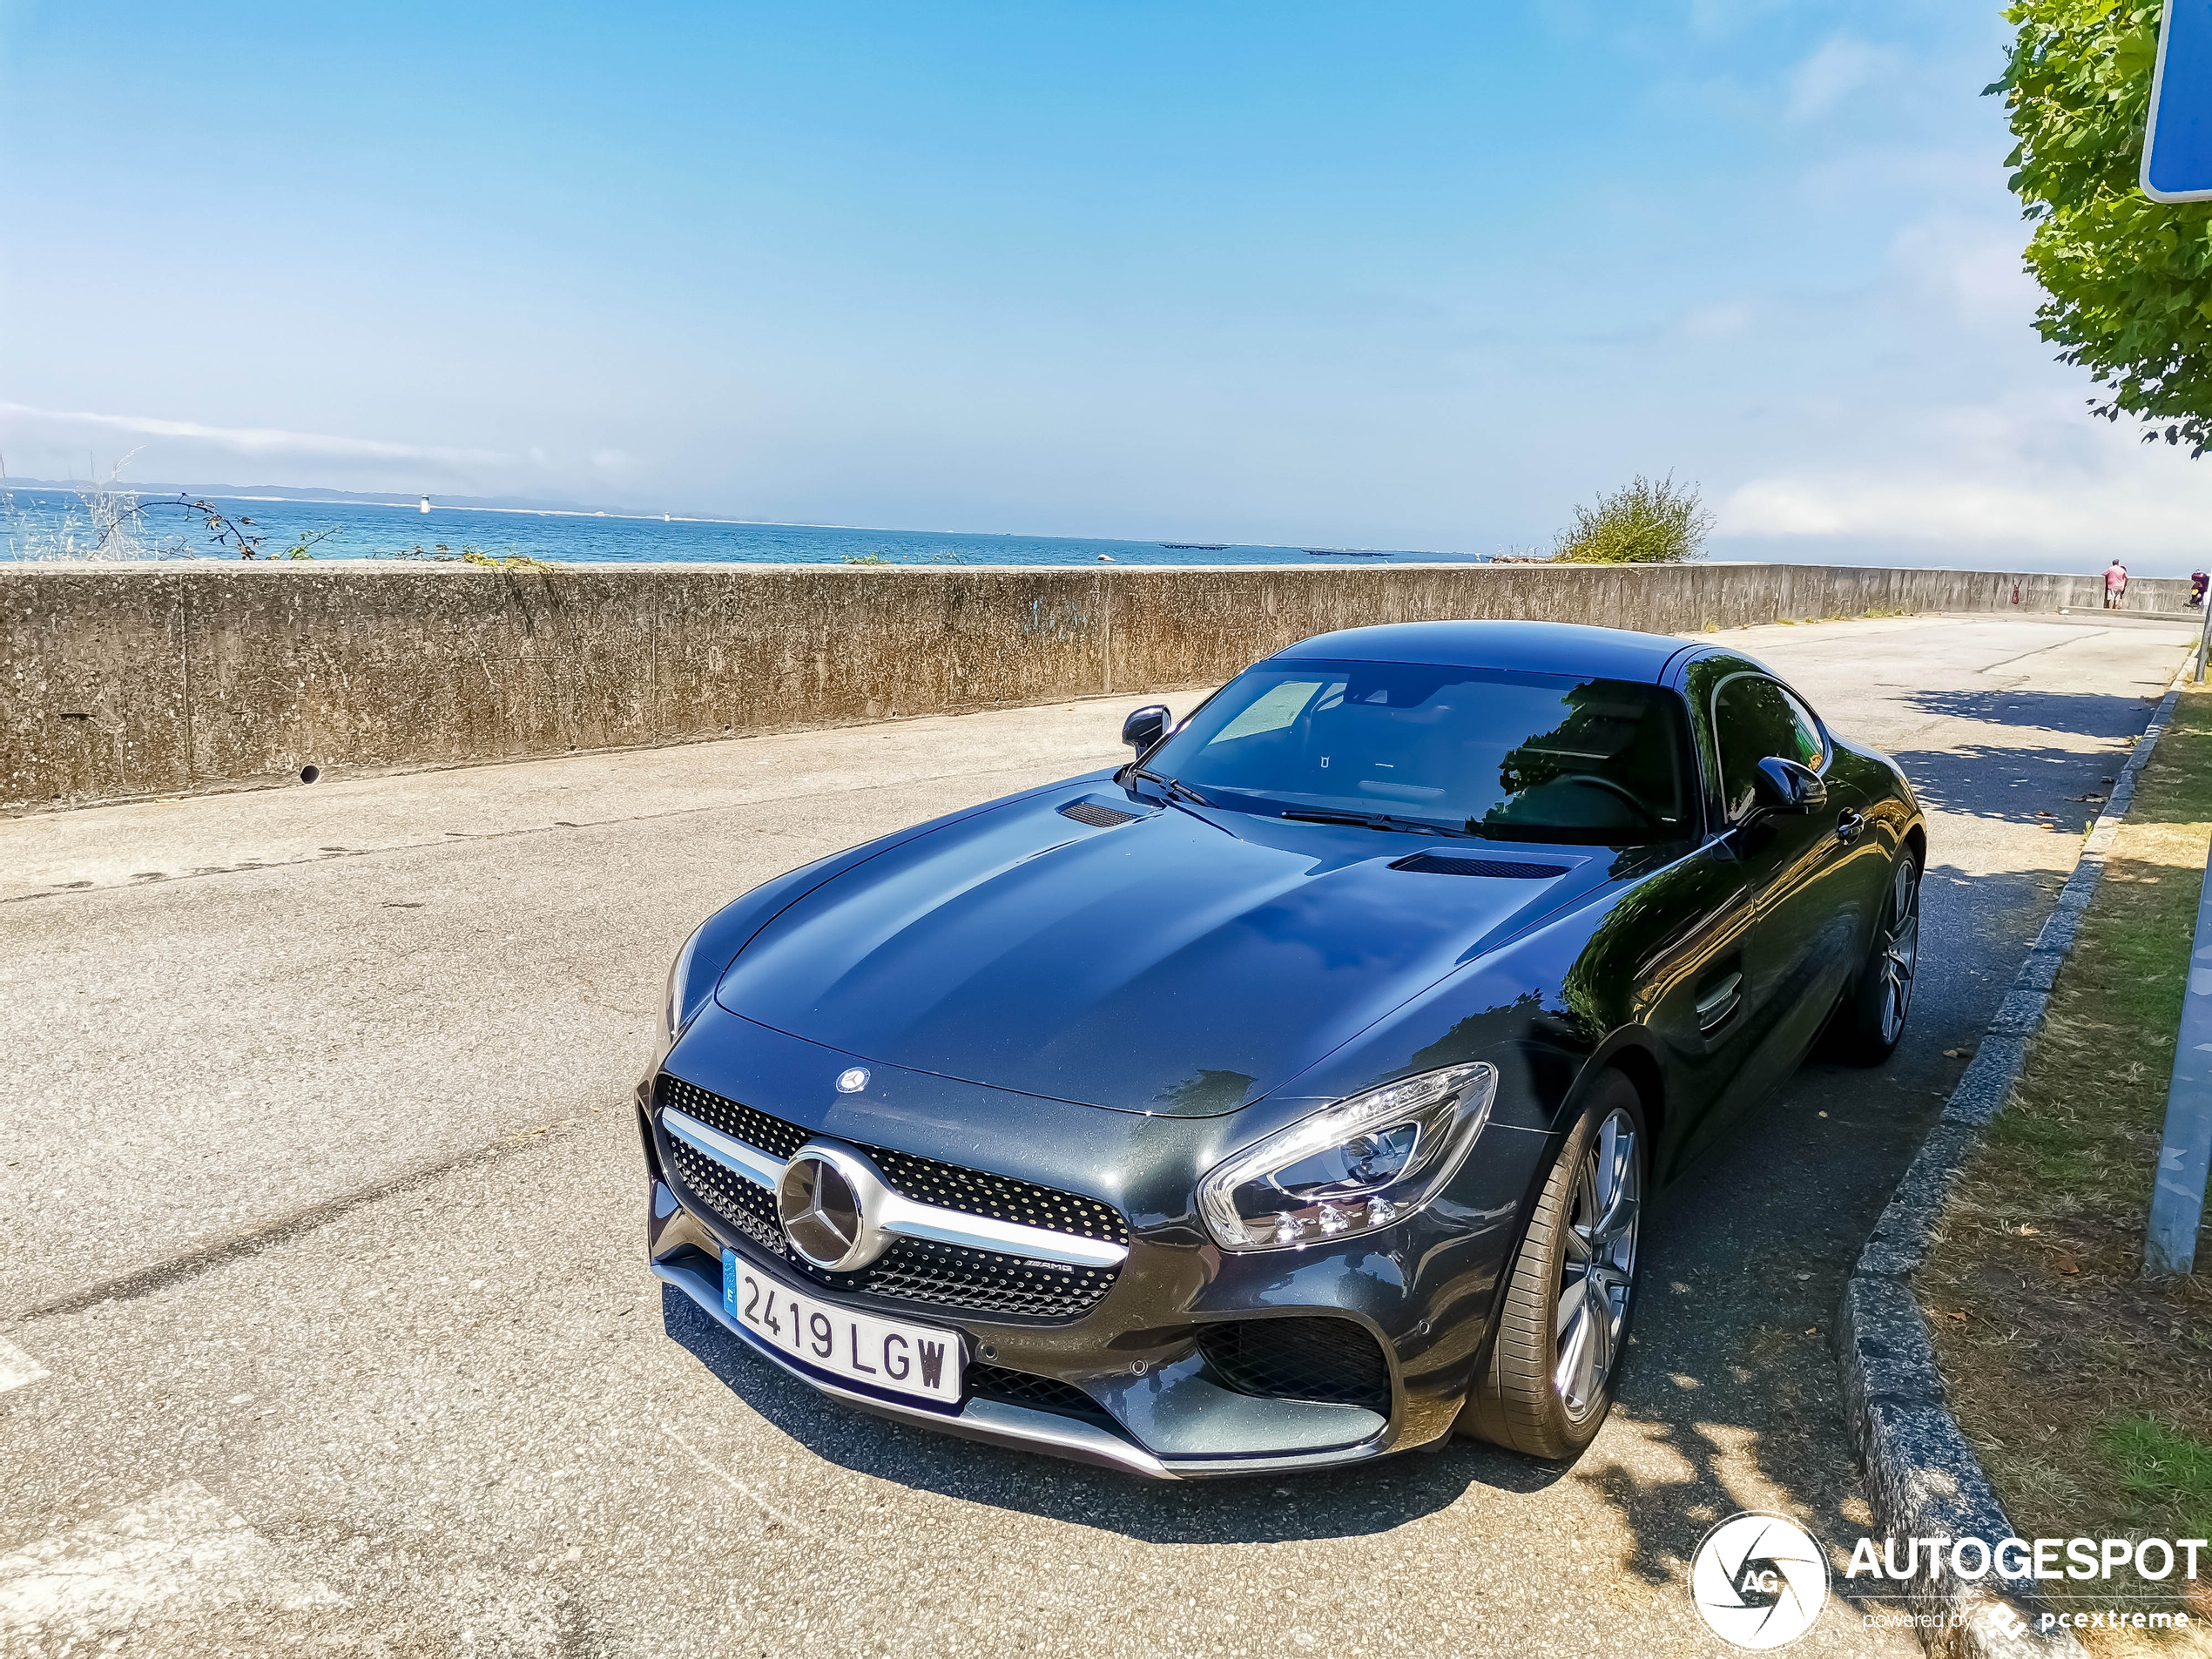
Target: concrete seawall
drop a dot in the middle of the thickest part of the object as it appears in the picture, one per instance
(123, 682)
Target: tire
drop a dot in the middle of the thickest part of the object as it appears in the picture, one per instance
(1548, 1384)
(1871, 1022)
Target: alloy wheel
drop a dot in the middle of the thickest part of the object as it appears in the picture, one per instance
(1900, 949)
(1597, 1268)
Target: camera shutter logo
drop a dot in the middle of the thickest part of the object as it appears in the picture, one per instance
(1759, 1581)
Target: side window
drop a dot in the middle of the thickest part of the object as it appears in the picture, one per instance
(1812, 751)
(1753, 717)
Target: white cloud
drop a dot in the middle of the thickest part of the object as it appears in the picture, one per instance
(1716, 19)
(257, 441)
(2040, 475)
(1840, 66)
(1720, 320)
(1971, 269)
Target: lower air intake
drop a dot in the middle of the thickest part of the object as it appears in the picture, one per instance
(1330, 1360)
(1024, 1388)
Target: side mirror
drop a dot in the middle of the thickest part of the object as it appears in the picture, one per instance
(1146, 726)
(1784, 786)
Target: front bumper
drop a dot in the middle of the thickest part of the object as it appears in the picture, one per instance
(996, 1422)
(1135, 1381)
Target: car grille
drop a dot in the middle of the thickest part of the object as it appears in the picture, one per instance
(912, 1270)
(950, 1187)
(1325, 1359)
(772, 1135)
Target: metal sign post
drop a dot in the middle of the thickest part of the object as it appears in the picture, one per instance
(2185, 1149)
(2177, 148)
(2177, 167)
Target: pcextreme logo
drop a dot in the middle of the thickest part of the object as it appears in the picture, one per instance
(1759, 1581)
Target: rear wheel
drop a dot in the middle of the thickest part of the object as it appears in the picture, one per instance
(1872, 1018)
(1563, 1330)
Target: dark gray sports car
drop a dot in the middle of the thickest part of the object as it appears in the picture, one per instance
(1288, 1096)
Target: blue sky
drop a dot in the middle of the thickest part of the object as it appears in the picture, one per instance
(1382, 274)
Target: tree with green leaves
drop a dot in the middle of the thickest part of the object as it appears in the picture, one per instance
(2129, 280)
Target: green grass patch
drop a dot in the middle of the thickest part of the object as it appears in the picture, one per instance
(2086, 1388)
(2167, 1470)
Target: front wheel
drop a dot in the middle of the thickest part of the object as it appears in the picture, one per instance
(1872, 1017)
(1563, 1330)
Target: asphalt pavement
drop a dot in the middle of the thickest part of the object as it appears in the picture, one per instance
(324, 1325)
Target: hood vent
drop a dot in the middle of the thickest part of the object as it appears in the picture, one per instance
(1503, 869)
(1098, 817)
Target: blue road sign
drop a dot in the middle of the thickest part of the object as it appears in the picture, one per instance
(2177, 150)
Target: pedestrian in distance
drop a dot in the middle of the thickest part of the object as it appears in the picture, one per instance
(2199, 580)
(2115, 584)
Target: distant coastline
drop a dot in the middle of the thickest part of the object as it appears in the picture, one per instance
(46, 520)
(528, 507)
(330, 497)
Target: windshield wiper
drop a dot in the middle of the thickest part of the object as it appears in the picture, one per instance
(1175, 787)
(1373, 821)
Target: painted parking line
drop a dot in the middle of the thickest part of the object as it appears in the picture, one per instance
(17, 1367)
(179, 1551)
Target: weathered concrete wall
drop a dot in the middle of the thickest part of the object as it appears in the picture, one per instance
(123, 682)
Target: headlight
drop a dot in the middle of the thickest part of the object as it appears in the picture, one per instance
(673, 1013)
(1351, 1168)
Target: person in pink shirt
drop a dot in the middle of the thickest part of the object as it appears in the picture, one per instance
(2115, 584)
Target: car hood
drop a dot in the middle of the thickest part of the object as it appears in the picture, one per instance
(1184, 963)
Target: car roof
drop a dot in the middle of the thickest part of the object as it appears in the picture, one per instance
(1530, 647)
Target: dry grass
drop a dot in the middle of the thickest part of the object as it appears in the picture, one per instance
(2088, 1389)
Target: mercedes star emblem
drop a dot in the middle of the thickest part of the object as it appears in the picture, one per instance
(828, 1202)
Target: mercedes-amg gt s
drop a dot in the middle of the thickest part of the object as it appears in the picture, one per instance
(1289, 1096)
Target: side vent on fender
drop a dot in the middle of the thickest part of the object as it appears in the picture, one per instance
(1718, 1001)
(1503, 869)
(1098, 817)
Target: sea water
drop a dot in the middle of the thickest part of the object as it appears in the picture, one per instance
(40, 522)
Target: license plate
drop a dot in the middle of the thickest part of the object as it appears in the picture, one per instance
(888, 1354)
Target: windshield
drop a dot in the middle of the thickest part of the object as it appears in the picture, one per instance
(1477, 752)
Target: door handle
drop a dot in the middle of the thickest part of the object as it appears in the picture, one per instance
(1848, 827)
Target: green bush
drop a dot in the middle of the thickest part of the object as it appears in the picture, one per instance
(1646, 522)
